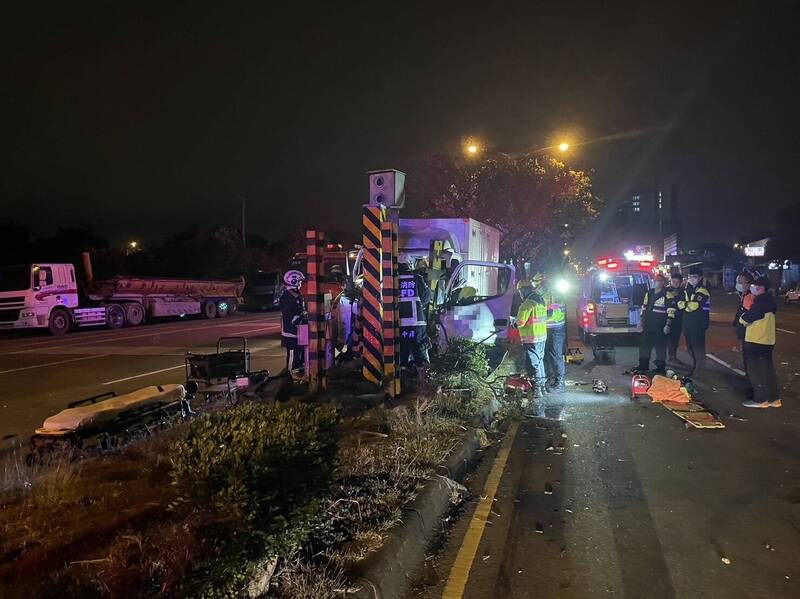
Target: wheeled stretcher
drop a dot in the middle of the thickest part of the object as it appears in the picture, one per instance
(103, 419)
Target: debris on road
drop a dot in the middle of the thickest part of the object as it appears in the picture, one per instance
(726, 561)
(735, 417)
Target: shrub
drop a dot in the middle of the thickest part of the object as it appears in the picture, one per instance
(260, 473)
(461, 365)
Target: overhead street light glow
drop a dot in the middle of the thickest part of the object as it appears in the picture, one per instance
(563, 146)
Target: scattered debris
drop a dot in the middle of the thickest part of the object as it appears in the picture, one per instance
(539, 528)
(485, 557)
(735, 417)
(548, 489)
(726, 561)
(640, 424)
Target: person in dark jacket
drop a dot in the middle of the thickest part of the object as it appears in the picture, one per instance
(743, 282)
(674, 295)
(658, 313)
(696, 306)
(293, 311)
(759, 342)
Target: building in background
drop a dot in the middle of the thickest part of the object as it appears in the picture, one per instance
(648, 219)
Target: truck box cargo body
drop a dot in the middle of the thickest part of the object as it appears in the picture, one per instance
(466, 238)
(45, 295)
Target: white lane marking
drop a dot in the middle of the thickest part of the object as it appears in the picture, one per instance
(138, 376)
(725, 364)
(126, 337)
(785, 331)
(46, 364)
(269, 328)
(106, 334)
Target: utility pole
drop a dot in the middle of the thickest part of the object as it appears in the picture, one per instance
(244, 226)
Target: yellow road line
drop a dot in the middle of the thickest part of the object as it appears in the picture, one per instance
(459, 573)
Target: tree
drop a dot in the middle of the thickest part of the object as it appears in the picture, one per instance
(538, 203)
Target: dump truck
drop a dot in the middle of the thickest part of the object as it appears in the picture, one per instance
(45, 295)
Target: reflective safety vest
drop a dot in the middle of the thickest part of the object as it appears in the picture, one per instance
(657, 308)
(696, 306)
(532, 320)
(556, 315)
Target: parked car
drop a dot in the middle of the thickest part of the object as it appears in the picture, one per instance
(792, 294)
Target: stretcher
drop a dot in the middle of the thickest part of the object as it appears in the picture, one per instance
(106, 419)
(210, 370)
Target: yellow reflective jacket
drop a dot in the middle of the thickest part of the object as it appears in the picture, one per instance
(532, 319)
(759, 320)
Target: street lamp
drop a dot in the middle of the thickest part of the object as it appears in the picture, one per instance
(133, 245)
(563, 147)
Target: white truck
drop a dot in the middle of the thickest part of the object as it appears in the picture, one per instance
(45, 296)
(475, 295)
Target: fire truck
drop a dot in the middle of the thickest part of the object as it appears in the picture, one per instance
(612, 293)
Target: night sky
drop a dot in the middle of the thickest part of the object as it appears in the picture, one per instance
(143, 122)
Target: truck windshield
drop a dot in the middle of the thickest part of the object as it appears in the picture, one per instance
(621, 289)
(15, 278)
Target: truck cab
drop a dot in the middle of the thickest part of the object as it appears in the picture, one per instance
(30, 292)
(611, 297)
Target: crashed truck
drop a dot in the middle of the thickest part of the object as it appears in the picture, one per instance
(472, 294)
(46, 296)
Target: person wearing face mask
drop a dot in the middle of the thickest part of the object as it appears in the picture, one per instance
(674, 295)
(759, 341)
(658, 313)
(743, 282)
(696, 306)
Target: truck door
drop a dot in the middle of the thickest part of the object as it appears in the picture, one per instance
(478, 302)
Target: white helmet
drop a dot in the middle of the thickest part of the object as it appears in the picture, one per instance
(293, 278)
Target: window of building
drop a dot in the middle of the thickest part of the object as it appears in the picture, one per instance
(636, 203)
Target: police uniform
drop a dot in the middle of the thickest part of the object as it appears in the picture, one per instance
(696, 306)
(674, 295)
(658, 311)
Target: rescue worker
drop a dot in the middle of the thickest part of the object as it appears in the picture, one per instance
(674, 295)
(554, 350)
(532, 325)
(413, 323)
(746, 299)
(658, 313)
(293, 311)
(696, 306)
(759, 341)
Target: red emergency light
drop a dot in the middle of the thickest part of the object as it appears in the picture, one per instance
(612, 265)
(602, 261)
(645, 263)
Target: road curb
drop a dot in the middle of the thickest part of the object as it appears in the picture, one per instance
(388, 573)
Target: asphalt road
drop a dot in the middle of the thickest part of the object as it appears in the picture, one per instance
(40, 374)
(604, 496)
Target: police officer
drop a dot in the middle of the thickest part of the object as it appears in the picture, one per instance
(696, 306)
(556, 339)
(293, 311)
(658, 313)
(674, 295)
(413, 323)
(532, 325)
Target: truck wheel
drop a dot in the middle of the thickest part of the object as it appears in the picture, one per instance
(223, 309)
(115, 316)
(134, 314)
(209, 310)
(60, 321)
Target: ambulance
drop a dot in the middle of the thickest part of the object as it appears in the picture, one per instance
(611, 295)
